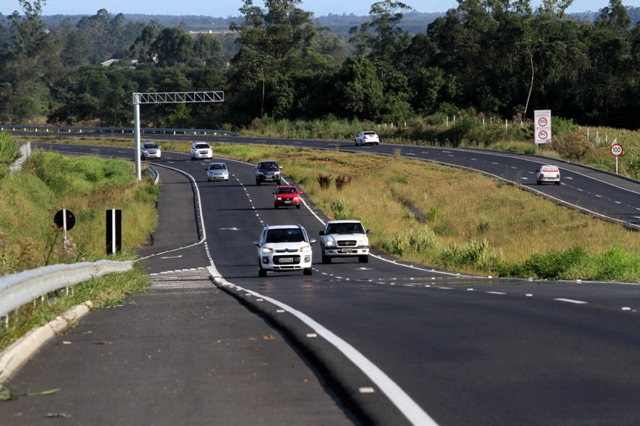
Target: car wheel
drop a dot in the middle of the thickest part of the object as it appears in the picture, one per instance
(356, 142)
(258, 182)
(275, 206)
(279, 182)
(363, 259)
(307, 271)
(538, 182)
(558, 183)
(262, 273)
(298, 206)
(326, 259)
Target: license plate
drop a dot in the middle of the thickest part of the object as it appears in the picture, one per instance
(286, 260)
(287, 201)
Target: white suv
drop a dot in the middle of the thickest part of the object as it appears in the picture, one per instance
(344, 238)
(283, 248)
(200, 150)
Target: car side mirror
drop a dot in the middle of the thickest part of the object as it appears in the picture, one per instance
(321, 233)
(313, 241)
(537, 170)
(368, 231)
(256, 243)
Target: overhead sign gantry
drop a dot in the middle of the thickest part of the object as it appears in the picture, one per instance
(198, 96)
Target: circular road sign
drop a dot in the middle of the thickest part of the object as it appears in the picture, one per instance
(543, 134)
(59, 219)
(542, 122)
(616, 150)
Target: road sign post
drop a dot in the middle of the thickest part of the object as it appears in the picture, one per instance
(542, 126)
(616, 150)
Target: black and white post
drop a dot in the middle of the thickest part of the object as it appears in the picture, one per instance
(114, 231)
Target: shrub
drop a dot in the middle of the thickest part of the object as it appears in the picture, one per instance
(341, 181)
(554, 264)
(341, 210)
(573, 146)
(9, 152)
(324, 181)
(397, 244)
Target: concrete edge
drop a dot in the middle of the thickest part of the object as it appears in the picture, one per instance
(344, 378)
(18, 353)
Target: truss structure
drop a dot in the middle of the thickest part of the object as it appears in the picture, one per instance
(178, 97)
(197, 96)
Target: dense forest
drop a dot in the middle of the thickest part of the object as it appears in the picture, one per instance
(497, 58)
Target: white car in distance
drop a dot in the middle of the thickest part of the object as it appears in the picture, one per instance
(200, 151)
(367, 138)
(548, 173)
(344, 238)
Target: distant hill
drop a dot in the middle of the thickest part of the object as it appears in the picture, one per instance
(415, 22)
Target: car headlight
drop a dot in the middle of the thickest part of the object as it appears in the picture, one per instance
(267, 250)
(363, 242)
(305, 249)
(330, 242)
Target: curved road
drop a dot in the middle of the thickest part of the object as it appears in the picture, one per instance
(461, 350)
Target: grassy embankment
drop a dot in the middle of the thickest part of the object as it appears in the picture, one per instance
(28, 239)
(571, 142)
(473, 224)
(476, 224)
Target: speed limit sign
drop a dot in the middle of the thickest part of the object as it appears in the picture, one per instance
(616, 150)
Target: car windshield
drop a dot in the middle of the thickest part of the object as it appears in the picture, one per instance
(217, 167)
(202, 146)
(268, 166)
(290, 235)
(286, 191)
(369, 133)
(345, 228)
(150, 145)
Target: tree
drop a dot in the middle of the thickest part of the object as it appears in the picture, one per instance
(207, 52)
(173, 46)
(277, 31)
(359, 91)
(78, 49)
(387, 38)
(29, 65)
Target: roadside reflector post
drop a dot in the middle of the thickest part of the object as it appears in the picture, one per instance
(114, 231)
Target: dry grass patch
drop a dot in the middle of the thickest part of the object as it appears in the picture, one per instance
(463, 207)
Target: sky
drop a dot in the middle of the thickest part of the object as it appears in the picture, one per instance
(224, 8)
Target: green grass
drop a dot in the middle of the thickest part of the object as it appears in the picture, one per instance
(487, 227)
(87, 186)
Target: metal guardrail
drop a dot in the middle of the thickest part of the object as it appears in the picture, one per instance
(145, 131)
(21, 288)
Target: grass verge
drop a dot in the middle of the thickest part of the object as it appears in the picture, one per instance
(28, 238)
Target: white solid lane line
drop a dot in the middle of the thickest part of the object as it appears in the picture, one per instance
(577, 302)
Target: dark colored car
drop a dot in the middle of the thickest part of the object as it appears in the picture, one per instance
(268, 171)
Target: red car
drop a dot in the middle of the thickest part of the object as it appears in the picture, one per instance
(286, 196)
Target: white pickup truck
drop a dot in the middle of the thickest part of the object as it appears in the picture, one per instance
(344, 238)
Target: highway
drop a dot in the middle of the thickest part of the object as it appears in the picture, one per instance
(439, 348)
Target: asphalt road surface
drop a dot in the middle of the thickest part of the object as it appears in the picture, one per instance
(398, 343)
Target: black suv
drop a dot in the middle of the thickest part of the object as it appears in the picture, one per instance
(268, 171)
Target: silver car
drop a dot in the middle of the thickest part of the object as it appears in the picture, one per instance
(149, 150)
(217, 171)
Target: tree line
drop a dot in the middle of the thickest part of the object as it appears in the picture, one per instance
(497, 58)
